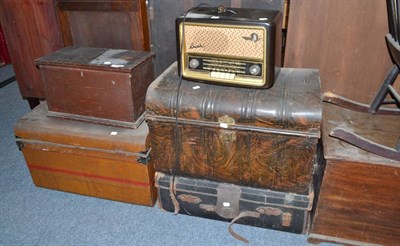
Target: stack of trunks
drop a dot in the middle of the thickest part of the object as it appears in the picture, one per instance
(244, 155)
(90, 137)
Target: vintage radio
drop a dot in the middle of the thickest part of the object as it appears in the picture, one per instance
(240, 47)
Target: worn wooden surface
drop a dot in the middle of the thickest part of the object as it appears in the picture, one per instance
(271, 143)
(86, 159)
(31, 31)
(80, 84)
(382, 129)
(359, 201)
(117, 60)
(120, 24)
(345, 40)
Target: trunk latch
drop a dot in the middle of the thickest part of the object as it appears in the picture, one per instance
(228, 197)
(227, 136)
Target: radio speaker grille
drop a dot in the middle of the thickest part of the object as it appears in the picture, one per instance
(224, 41)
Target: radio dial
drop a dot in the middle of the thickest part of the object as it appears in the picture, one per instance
(255, 69)
(194, 63)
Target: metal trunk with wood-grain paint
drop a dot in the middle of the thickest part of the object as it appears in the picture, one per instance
(251, 137)
(87, 159)
(105, 86)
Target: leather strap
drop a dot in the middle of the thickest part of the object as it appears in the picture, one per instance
(173, 198)
(241, 215)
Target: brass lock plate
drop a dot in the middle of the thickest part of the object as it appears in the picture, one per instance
(227, 136)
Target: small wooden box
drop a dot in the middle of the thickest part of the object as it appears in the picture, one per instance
(105, 86)
(87, 159)
(359, 201)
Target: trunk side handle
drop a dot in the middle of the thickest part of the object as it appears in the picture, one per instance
(144, 156)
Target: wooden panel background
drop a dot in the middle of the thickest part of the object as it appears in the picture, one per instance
(31, 31)
(4, 56)
(116, 24)
(345, 40)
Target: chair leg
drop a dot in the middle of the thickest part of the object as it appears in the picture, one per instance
(398, 146)
(384, 90)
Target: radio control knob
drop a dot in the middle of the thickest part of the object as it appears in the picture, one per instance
(255, 69)
(194, 63)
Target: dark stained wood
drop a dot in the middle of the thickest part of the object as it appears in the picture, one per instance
(85, 159)
(121, 24)
(269, 143)
(79, 85)
(345, 40)
(359, 201)
(141, 33)
(64, 27)
(4, 56)
(382, 129)
(365, 144)
(31, 31)
(90, 5)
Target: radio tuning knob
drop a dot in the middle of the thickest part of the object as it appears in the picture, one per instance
(194, 63)
(255, 69)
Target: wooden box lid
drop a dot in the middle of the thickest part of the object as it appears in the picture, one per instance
(382, 129)
(117, 60)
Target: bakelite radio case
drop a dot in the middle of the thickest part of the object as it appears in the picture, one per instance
(225, 47)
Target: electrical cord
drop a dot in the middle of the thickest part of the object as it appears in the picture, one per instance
(177, 133)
